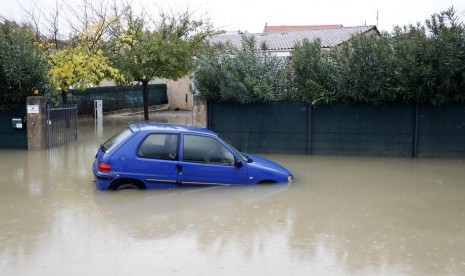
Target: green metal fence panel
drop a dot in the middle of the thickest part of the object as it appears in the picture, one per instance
(442, 131)
(117, 97)
(12, 138)
(265, 128)
(339, 129)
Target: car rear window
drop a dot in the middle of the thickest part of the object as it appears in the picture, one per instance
(116, 140)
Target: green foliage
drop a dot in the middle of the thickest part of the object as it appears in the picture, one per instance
(413, 64)
(447, 57)
(363, 70)
(431, 60)
(246, 75)
(210, 72)
(82, 63)
(143, 50)
(166, 51)
(412, 72)
(313, 73)
(23, 65)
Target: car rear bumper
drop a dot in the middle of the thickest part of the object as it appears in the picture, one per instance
(102, 180)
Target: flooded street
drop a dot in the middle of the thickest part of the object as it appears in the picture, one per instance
(341, 216)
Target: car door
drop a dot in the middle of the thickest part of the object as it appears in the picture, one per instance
(206, 160)
(156, 161)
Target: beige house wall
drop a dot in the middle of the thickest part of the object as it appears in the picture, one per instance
(179, 95)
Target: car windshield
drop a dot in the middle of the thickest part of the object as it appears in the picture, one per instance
(115, 140)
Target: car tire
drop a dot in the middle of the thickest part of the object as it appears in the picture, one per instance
(266, 182)
(127, 186)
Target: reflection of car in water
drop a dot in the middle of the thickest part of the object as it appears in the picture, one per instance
(153, 155)
(167, 213)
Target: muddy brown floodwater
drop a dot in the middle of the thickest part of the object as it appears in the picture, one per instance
(342, 216)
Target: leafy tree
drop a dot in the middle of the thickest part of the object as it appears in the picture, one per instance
(23, 65)
(246, 75)
(82, 62)
(144, 50)
(80, 67)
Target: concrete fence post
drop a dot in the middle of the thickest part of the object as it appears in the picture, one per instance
(416, 135)
(37, 134)
(309, 129)
(200, 111)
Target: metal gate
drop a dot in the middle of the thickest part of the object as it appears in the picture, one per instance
(62, 124)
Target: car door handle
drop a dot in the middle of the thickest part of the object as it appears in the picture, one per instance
(179, 169)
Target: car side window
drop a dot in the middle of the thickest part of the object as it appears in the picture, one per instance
(203, 149)
(159, 146)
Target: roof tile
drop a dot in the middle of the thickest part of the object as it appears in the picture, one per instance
(284, 28)
(276, 41)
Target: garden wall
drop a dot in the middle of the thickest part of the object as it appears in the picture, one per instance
(338, 129)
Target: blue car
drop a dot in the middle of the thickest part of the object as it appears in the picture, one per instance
(154, 155)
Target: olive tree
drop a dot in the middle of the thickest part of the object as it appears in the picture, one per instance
(143, 48)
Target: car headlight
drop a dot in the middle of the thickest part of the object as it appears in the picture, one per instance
(290, 178)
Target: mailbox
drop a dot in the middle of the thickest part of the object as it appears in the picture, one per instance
(17, 123)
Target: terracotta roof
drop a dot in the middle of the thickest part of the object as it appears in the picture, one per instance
(284, 28)
(285, 41)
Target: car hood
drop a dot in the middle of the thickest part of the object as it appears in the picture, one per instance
(268, 164)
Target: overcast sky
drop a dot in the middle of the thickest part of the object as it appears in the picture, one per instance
(252, 15)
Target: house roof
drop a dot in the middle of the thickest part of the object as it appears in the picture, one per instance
(285, 41)
(284, 28)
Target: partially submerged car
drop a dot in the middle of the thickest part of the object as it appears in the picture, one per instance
(155, 155)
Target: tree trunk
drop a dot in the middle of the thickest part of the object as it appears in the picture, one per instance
(64, 96)
(146, 99)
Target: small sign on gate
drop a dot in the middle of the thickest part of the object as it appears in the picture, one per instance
(32, 109)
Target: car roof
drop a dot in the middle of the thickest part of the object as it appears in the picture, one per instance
(176, 128)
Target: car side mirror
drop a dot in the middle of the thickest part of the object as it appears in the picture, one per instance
(238, 163)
